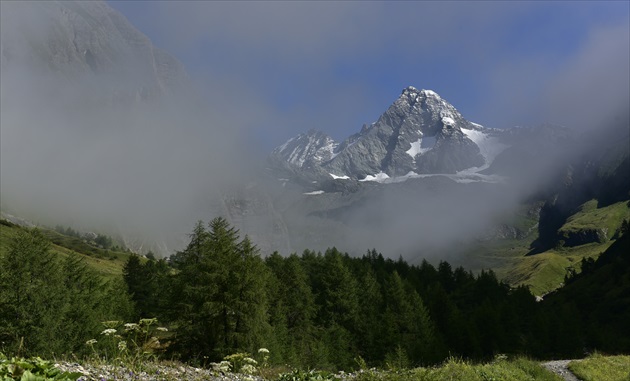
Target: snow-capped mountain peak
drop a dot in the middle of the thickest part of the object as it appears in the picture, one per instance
(420, 133)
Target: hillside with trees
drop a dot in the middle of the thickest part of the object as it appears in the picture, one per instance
(315, 310)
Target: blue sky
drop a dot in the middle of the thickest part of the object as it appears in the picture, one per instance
(292, 66)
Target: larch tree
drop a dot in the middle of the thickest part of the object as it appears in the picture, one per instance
(219, 298)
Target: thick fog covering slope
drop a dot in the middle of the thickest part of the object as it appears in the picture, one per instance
(101, 130)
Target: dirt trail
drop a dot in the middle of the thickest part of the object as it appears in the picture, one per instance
(560, 367)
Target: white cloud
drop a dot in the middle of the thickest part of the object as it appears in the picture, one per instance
(595, 86)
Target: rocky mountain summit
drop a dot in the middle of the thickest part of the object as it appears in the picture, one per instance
(420, 133)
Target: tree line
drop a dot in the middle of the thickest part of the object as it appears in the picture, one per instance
(218, 296)
(51, 305)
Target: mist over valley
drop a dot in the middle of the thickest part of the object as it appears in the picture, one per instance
(103, 131)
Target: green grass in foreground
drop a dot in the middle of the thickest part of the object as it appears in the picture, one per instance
(598, 368)
(519, 369)
(514, 370)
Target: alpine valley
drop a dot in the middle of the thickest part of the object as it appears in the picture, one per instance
(421, 182)
(150, 231)
(424, 182)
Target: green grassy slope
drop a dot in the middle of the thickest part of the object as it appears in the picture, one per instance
(105, 262)
(545, 272)
(590, 218)
(598, 367)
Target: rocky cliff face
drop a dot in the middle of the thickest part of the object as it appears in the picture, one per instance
(419, 133)
(79, 80)
(81, 41)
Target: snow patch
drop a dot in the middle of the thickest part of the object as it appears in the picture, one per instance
(422, 145)
(314, 193)
(328, 150)
(489, 146)
(448, 121)
(315, 147)
(284, 146)
(431, 93)
(380, 177)
(335, 177)
(463, 177)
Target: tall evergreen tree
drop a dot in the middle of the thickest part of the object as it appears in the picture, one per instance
(133, 274)
(31, 297)
(293, 308)
(85, 305)
(339, 308)
(220, 293)
(370, 330)
(148, 285)
(408, 323)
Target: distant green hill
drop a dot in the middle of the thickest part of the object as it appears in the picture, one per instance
(593, 224)
(588, 232)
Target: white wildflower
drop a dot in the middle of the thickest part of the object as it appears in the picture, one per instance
(263, 350)
(162, 329)
(111, 323)
(250, 360)
(108, 332)
(148, 321)
(122, 345)
(248, 369)
(225, 366)
(91, 342)
(132, 327)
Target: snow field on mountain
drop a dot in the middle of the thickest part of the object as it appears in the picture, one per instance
(463, 177)
(448, 121)
(379, 177)
(489, 146)
(421, 146)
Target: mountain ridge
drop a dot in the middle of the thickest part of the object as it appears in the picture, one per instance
(420, 133)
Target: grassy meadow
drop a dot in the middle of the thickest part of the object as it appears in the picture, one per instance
(108, 263)
(598, 367)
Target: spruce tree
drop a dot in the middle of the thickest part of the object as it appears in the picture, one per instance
(219, 294)
(339, 308)
(31, 295)
(85, 304)
(370, 325)
(293, 308)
